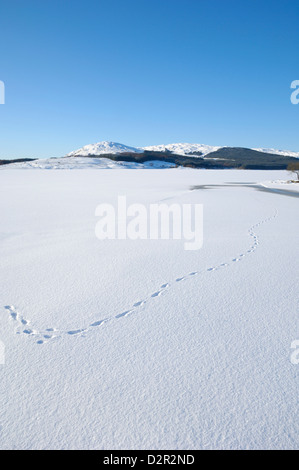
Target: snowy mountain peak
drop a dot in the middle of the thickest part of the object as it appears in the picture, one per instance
(201, 150)
(183, 149)
(286, 153)
(101, 148)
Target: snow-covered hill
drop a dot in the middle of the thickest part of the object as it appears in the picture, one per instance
(93, 156)
(101, 148)
(80, 163)
(202, 150)
(286, 153)
(183, 149)
(105, 147)
(190, 149)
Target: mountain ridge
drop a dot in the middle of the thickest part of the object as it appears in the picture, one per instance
(202, 150)
(116, 155)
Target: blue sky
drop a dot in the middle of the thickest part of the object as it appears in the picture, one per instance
(144, 72)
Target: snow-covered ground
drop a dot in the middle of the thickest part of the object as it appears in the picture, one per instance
(83, 163)
(126, 344)
(282, 185)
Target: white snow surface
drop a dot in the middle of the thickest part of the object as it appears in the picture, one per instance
(282, 185)
(123, 344)
(83, 163)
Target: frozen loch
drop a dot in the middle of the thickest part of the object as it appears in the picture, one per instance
(141, 344)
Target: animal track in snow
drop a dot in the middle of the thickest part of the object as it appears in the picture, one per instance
(75, 332)
(50, 334)
(156, 294)
(124, 314)
(41, 336)
(99, 322)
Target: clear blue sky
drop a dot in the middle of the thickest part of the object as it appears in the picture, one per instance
(144, 72)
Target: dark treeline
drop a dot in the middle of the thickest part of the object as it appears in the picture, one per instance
(17, 160)
(229, 157)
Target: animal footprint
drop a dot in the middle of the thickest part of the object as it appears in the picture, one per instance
(124, 314)
(16, 316)
(75, 332)
(157, 294)
(29, 332)
(99, 322)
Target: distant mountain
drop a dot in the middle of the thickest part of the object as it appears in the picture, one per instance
(286, 153)
(115, 155)
(200, 150)
(184, 149)
(102, 148)
(204, 150)
(243, 158)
